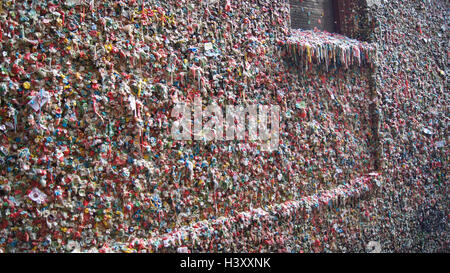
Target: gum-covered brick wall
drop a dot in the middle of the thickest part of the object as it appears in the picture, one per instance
(87, 158)
(312, 13)
(352, 18)
(81, 162)
(86, 100)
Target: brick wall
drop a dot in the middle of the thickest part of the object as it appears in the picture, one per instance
(308, 14)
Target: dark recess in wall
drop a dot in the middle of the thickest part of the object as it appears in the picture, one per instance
(308, 14)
